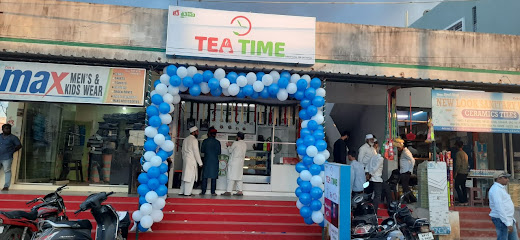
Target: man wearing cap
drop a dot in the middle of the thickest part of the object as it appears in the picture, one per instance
(211, 149)
(235, 169)
(367, 151)
(340, 149)
(191, 157)
(502, 208)
(407, 164)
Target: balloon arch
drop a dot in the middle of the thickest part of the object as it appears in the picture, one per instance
(311, 146)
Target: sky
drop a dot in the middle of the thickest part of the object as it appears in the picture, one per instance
(369, 14)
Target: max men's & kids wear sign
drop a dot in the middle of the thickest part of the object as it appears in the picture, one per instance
(240, 35)
(71, 83)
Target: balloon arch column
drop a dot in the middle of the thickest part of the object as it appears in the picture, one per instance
(311, 146)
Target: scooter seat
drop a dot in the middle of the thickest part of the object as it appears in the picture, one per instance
(33, 215)
(80, 224)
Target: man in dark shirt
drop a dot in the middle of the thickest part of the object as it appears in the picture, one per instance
(9, 144)
(340, 148)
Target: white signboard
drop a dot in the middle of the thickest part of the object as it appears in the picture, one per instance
(71, 83)
(438, 198)
(208, 33)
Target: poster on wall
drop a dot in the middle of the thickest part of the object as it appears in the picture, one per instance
(468, 111)
(337, 202)
(438, 198)
(42, 82)
(206, 33)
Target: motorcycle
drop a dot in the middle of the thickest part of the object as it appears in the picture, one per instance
(21, 225)
(109, 224)
(364, 220)
(412, 228)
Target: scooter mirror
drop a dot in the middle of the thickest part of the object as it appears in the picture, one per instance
(366, 184)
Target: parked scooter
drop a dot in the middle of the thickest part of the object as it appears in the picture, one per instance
(412, 228)
(15, 225)
(109, 226)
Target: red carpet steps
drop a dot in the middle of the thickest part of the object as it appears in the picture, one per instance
(475, 223)
(204, 218)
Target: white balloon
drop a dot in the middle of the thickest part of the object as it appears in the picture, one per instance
(182, 88)
(225, 91)
(151, 196)
(148, 155)
(168, 146)
(299, 204)
(322, 210)
(325, 153)
(150, 131)
(258, 86)
(172, 108)
(307, 78)
(251, 78)
(234, 89)
(275, 75)
(267, 80)
(159, 204)
(182, 72)
(322, 199)
(291, 88)
(173, 90)
(165, 118)
(319, 159)
(167, 98)
(157, 215)
(321, 92)
(156, 162)
(305, 175)
(317, 217)
(164, 197)
(224, 83)
(159, 139)
(241, 81)
(176, 99)
(219, 74)
(318, 118)
(312, 151)
(204, 88)
(322, 175)
(316, 181)
(161, 89)
(282, 95)
(200, 71)
(164, 69)
(295, 77)
(304, 123)
(146, 221)
(192, 71)
(165, 79)
(146, 209)
(146, 166)
(153, 92)
(137, 215)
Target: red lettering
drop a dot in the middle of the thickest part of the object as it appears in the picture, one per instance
(212, 44)
(57, 82)
(201, 42)
(226, 44)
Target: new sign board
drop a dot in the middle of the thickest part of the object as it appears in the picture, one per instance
(208, 33)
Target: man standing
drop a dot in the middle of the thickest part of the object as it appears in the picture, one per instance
(367, 151)
(191, 157)
(211, 149)
(375, 169)
(407, 163)
(461, 174)
(9, 144)
(357, 174)
(237, 154)
(341, 149)
(502, 208)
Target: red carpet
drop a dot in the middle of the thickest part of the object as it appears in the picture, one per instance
(475, 223)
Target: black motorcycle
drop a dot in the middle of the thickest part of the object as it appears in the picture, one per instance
(412, 228)
(364, 217)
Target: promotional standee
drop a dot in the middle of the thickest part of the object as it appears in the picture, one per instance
(337, 201)
(311, 146)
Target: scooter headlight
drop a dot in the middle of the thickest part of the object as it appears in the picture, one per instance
(425, 229)
(362, 229)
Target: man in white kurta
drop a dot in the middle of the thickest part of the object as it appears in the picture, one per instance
(367, 151)
(191, 157)
(235, 168)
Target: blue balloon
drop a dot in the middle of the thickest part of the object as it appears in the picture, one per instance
(164, 108)
(216, 92)
(315, 83)
(315, 169)
(273, 89)
(153, 172)
(308, 220)
(307, 161)
(142, 160)
(298, 191)
(213, 83)
(301, 150)
(175, 81)
(152, 110)
(163, 179)
(320, 127)
(255, 95)
(171, 70)
(316, 205)
(157, 99)
(300, 167)
(161, 190)
(285, 74)
(163, 168)
(187, 82)
(305, 211)
(306, 187)
(142, 200)
(242, 74)
(142, 178)
(264, 93)
(143, 189)
(318, 134)
(303, 115)
(311, 111)
(163, 129)
(321, 145)
(141, 228)
(195, 90)
(299, 95)
(301, 85)
(310, 93)
(207, 75)
(312, 125)
(304, 132)
(309, 140)
(157, 82)
(299, 142)
(163, 154)
(153, 184)
(316, 193)
(305, 103)
(318, 101)
(167, 137)
(197, 78)
(322, 167)
(155, 121)
(248, 90)
(299, 181)
(322, 224)
(232, 76)
(259, 76)
(283, 82)
(150, 145)
(241, 93)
